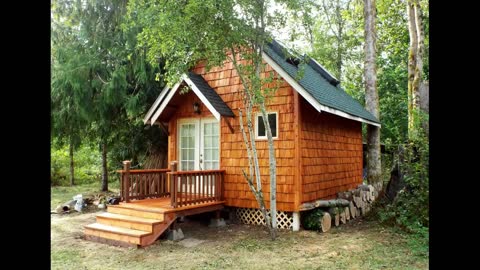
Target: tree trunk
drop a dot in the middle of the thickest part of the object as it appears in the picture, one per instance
(324, 203)
(412, 56)
(335, 216)
(273, 171)
(374, 172)
(72, 176)
(353, 213)
(104, 167)
(325, 222)
(415, 65)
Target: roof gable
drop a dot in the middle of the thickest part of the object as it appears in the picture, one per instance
(317, 84)
(200, 87)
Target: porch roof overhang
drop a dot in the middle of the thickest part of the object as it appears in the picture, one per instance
(200, 87)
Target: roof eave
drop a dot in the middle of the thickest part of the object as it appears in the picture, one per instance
(310, 99)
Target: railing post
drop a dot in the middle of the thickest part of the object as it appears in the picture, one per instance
(126, 181)
(222, 174)
(173, 184)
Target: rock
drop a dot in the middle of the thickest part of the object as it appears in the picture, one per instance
(175, 235)
(113, 200)
(217, 222)
(59, 209)
(101, 206)
(79, 202)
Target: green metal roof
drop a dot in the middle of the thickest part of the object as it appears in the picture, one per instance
(317, 82)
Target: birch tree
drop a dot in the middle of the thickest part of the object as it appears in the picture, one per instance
(374, 171)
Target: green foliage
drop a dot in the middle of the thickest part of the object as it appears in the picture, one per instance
(101, 82)
(310, 219)
(410, 209)
(87, 165)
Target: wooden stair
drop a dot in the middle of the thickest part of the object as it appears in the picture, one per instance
(123, 226)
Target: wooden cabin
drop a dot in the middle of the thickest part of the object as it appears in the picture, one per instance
(317, 130)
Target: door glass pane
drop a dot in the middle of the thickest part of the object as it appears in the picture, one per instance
(187, 146)
(208, 154)
(210, 145)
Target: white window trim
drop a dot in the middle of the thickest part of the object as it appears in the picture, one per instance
(256, 126)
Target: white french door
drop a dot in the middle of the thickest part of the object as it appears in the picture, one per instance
(199, 144)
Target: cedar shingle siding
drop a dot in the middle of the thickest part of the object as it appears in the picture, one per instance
(331, 146)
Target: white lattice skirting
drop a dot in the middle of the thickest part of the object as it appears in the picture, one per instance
(254, 216)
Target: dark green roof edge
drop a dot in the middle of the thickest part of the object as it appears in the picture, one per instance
(210, 94)
(317, 81)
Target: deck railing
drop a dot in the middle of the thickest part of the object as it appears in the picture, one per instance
(192, 187)
(141, 184)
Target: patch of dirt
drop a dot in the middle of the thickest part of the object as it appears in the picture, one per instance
(355, 245)
(190, 242)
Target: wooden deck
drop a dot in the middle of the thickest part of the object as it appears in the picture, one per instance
(139, 223)
(163, 205)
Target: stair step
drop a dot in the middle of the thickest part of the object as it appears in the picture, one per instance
(116, 233)
(136, 212)
(129, 222)
(117, 230)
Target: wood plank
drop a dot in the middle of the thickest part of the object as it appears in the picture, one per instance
(198, 210)
(153, 214)
(113, 236)
(117, 230)
(134, 219)
(125, 224)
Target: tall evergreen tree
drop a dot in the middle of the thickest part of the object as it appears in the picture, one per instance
(108, 71)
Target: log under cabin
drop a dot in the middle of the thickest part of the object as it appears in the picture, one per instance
(317, 129)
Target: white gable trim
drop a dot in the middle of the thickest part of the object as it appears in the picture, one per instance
(319, 107)
(164, 103)
(201, 96)
(155, 104)
(169, 97)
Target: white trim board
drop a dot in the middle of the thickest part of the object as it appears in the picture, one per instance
(319, 107)
(201, 96)
(164, 103)
(169, 97)
(154, 106)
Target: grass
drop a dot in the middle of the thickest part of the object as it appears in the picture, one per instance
(359, 244)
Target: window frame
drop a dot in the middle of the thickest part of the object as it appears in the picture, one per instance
(257, 137)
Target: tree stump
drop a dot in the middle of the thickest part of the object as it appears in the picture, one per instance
(335, 216)
(347, 213)
(325, 222)
(352, 210)
(343, 217)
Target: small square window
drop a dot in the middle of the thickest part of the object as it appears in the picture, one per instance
(260, 126)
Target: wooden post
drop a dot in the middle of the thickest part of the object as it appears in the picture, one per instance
(173, 184)
(298, 171)
(221, 186)
(126, 181)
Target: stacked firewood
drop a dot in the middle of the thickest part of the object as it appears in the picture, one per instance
(349, 205)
